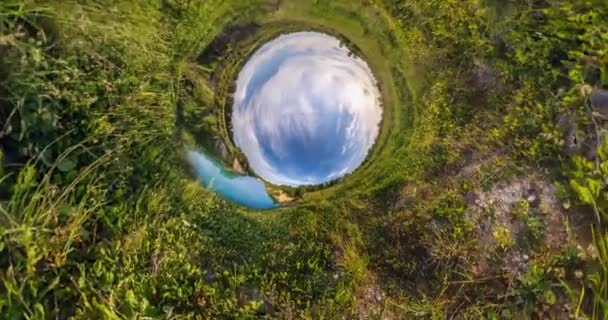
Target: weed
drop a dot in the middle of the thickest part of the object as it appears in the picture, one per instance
(98, 219)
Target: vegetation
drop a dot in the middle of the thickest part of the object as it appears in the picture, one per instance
(484, 197)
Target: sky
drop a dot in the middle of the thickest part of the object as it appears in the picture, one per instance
(305, 111)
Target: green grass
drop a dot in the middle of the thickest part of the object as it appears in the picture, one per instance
(99, 220)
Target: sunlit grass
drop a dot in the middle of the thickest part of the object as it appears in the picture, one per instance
(98, 219)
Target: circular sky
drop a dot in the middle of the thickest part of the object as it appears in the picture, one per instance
(306, 110)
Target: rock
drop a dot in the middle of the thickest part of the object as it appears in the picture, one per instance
(592, 144)
(471, 198)
(532, 198)
(236, 166)
(249, 293)
(222, 150)
(484, 77)
(210, 276)
(567, 125)
(599, 103)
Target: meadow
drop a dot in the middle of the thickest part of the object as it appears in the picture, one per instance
(485, 196)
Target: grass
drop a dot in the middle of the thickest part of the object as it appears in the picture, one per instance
(99, 220)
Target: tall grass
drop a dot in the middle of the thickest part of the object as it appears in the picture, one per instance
(97, 219)
(87, 117)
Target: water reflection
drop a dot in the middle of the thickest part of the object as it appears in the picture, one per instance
(305, 110)
(244, 190)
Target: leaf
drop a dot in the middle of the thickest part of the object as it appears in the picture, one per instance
(38, 311)
(105, 311)
(594, 186)
(584, 193)
(51, 286)
(67, 165)
(550, 297)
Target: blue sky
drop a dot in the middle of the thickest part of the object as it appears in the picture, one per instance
(305, 112)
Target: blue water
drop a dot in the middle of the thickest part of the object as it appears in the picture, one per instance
(244, 190)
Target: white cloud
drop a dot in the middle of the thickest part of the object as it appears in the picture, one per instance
(298, 97)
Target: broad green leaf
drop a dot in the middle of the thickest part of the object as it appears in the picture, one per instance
(67, 165)
(583, 192)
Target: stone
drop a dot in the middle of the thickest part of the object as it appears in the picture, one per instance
(567, 125)
(210, 276)
(236, 166)
(250, 293)
(599, 103)
(221, 149)
(484, 77)
(471, 198)
(530, 195)
(593, 143)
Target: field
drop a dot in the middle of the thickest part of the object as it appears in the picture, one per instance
(485, 196)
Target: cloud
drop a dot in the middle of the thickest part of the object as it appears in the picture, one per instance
(305, 112)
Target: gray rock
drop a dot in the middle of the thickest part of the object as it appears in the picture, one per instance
(484, 77)
(250, 293)
(572, 145)
(222, 150)
(471, 198)
(599, 102)
(592, 145)
(567, 125)
(210, 276)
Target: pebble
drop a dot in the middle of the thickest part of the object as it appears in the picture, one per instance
(531, 198)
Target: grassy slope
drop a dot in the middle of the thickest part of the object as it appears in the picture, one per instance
(98, 221)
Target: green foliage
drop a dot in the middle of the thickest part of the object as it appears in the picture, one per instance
(587, 180)
(502, 235)
(451, 207)
(546, 61)
(100, 224)
(588, 184)
(98, 220)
